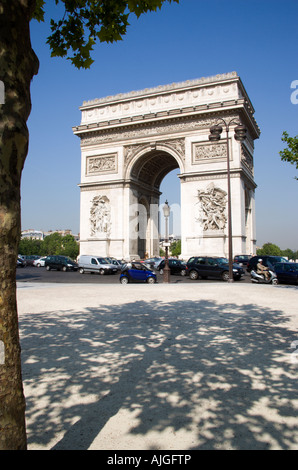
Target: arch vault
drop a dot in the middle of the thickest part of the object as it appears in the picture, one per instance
(130, 142)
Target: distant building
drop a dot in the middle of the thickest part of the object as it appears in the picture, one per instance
(34, 234)
(40, 235)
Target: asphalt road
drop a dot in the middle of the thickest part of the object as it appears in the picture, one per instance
(34, 274)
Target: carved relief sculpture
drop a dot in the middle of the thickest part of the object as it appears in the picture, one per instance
(210, 151)
(212, 208)
(100, 216)
(101, 164)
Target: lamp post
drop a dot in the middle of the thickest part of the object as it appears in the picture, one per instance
(239, 135)
(166, 212)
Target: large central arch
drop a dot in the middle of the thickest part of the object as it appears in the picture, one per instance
(145, 171)
(130, 142)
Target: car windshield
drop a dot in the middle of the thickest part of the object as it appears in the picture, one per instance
(277, 259)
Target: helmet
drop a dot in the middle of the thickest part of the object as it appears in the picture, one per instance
(260, 259)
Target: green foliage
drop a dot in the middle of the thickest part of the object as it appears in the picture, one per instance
(274, 250)
(87, 21)
(269, 249)
(175, 248)
(39, 11)
(290, 154)
(54, 244)
(29, 246)
(288, 253)
(162, 252)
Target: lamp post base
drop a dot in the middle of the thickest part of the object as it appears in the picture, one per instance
(166, 275)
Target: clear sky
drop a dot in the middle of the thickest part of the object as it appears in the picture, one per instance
(197, 38)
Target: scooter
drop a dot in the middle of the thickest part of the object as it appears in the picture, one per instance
(260, 278)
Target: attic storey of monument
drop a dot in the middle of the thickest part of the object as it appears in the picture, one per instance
(131, 141)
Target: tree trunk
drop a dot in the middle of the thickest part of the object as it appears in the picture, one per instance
(18, 64)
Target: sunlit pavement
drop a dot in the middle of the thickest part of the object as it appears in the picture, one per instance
(202, 366)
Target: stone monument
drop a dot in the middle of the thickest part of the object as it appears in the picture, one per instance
(131, 141)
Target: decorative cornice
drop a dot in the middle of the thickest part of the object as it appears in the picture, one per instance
(158, 128)
(161, 88)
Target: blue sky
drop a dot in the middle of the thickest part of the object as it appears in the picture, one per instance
(197, 38)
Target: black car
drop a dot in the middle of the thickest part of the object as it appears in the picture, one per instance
(29, 259)
(21, 263)
(176, 267)
(60, 263)
(242, 259)
(287, 272)
(268, 261)
(215, 267)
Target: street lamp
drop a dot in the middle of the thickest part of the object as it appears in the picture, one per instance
(166, 212)
(239, 135)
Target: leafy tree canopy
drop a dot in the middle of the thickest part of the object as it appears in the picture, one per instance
(54, 244)
(269, 249)
(86, 21)
(290, 154)
(175, 248)
(274, 250)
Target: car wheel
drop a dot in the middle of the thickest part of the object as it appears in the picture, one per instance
(64, 269)
(150, 280)
(81, 271)
(193, 275)
(225, 276)
(183, 272)
(274, 281)
(38, 265)
(48, 268)
(124, 280)
(101, 271)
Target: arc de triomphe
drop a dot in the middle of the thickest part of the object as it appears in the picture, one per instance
(129, 142)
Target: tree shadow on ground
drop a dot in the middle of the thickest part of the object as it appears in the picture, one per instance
(219, 374)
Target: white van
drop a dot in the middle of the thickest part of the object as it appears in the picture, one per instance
(95, 264)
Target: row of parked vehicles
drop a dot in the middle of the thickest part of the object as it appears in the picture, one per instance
(197, 267)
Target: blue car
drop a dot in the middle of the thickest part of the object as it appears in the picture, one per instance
(137, 272)
(287, 272)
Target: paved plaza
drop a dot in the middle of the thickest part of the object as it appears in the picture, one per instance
(160, 367)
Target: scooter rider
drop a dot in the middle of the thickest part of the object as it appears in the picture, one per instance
(261, 269)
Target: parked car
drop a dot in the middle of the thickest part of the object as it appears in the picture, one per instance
(59, 262)
(206, 266)
(268, 261)
(152, 262)
(30, 259)
(118, 264)
(176, 267)
(95, 264)
(287, 272)
(21, 263)
(242, 259)
(137, 272)
(39, 262)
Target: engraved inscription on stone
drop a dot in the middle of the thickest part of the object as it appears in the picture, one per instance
(211, 208)
(101, 164)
